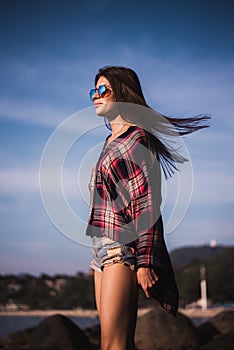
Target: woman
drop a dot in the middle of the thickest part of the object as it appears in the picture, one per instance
(125, 220)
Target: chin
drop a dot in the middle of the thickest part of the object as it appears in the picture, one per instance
(99, 113)
(107, 110)
(102, 111)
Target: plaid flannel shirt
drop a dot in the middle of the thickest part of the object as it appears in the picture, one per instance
(125, 199)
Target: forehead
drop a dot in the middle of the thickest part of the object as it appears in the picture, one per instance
(102, 81)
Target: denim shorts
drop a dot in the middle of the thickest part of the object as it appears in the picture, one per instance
(107, 252)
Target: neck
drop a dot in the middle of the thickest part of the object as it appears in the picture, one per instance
(118, 126)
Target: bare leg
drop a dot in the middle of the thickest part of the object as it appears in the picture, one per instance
(97, 286)
(117, 306)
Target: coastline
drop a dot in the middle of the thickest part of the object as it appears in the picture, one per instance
(47, 313)
(199, 313)
(69, 313)
(191, 313)
(15, 324)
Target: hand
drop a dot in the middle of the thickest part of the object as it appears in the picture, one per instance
(146, 277)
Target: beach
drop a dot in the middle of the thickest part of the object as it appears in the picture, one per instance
(47, 313)
(79, 312)
(199, 313)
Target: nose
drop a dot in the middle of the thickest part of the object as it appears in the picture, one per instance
(95, 96)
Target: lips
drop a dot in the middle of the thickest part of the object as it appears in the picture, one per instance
(97, 104)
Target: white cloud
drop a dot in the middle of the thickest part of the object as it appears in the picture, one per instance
(39, 262)
(44, 93)
(176, 85)
(6, 208)
(45, 115)
(16, 181)
(34, 247)
(199, 232)
(213, 188)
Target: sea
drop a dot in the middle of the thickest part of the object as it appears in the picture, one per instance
(11, 324)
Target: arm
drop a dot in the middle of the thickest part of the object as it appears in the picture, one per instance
(138, 175)
(145, 211)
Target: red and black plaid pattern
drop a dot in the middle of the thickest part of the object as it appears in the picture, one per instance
(125, 189)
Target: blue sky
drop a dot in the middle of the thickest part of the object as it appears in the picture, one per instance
(50, 53)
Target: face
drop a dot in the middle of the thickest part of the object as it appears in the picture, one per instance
(103, 104)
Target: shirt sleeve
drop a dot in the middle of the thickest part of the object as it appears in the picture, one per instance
(145, 207)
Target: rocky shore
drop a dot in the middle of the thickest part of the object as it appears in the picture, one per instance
(47, 313)
(79, 312)
(156, 330)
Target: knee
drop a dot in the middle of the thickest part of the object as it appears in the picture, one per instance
(110, 343)
(106, 343)
(116, 346)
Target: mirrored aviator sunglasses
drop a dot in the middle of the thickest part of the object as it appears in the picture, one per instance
(102, 90)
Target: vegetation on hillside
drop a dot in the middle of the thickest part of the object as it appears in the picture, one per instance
(48, 292)
(69, 292)
(219, 277)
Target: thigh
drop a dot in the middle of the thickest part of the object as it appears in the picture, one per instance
(97, 287)
(118, 301)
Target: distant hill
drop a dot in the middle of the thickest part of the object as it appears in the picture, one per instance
(219, 267)
(183, 256)
(68, 292)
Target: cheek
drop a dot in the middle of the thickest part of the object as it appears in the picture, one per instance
(111, 99)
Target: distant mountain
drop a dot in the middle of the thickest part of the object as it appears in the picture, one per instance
(183, 256)
(219, 271)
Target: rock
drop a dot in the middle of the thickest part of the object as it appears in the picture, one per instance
(207, 332)
(221, 342)
(17, 339)
(53, 333)
(224, 321)
(94, 334)
(60, 333)
(158, 330)
(219, 324)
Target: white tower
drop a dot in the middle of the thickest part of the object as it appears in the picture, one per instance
(203, 287)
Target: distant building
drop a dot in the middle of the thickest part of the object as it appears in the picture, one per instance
(12, 306)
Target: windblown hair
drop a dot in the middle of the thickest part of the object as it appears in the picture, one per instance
(127, 89)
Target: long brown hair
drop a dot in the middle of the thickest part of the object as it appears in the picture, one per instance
(127, 89)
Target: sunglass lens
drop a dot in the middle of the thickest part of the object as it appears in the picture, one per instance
(101, 90)
(91, 94)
